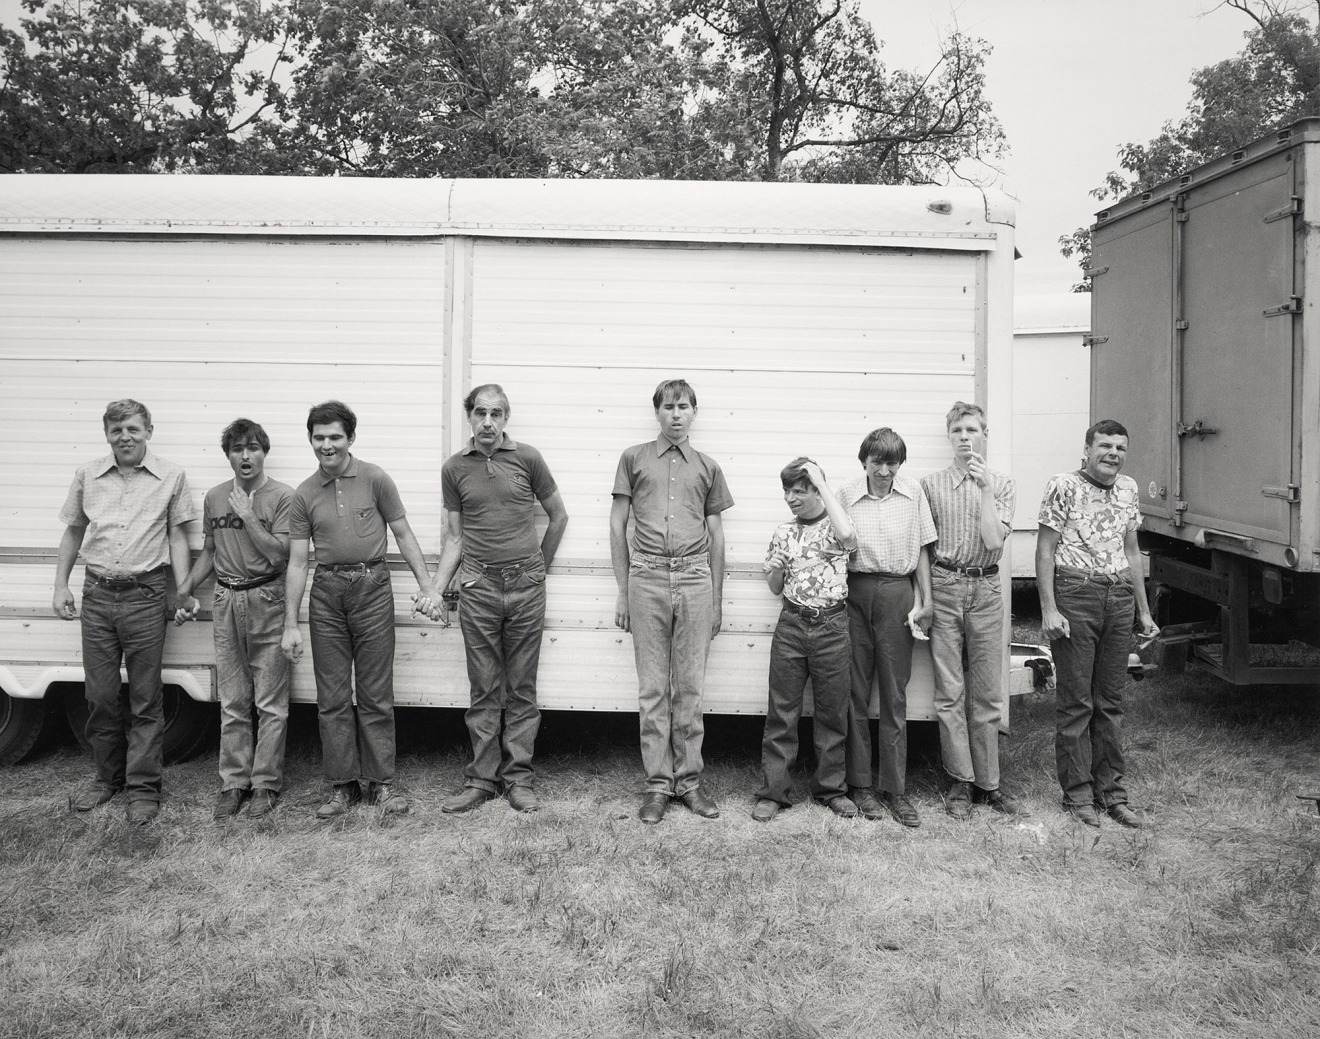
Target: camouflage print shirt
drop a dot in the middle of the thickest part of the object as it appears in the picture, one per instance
(1092, 521)
(814, 561)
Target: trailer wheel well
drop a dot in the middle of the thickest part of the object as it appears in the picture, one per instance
(189, 725)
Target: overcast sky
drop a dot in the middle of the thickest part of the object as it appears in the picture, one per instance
(1070, 80)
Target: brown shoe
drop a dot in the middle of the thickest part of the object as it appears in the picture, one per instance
(653, 807)
(958, 801)
(93, 795)
(867, 806)
(842, 806)
(229, 802)
(1083, 814)
(342, 798)
(765, 810)
(388, 799)
(700, 804)
(142, 812)
(1124, 816)
(471, 797)
(998, 801)
(903, 810)
(522, 798)
(262, 804)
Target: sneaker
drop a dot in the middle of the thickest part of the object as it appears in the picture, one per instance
(765, 810)
(998, 801)
(903, 810)
(343, 797)
(389, 800)
(263, 803)
(866, 804)
(958, 801)
(229, 802)
(93, 795)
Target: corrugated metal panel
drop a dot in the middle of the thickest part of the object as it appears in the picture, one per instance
(920, 217)
(249, 301)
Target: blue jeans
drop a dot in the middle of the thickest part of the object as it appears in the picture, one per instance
(125, 624)
(969, 617)
(250, 669)
(878, 605)
(802, 648)
(671, 606)
(351, 614)
(502, 614)
(1090, 668)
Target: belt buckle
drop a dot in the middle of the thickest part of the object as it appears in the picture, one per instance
(975, 571)
(508, 573)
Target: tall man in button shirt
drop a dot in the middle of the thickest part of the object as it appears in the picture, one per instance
(1089, 574)
(670, 584)
(888, 600)
(491, 489)
(128, 513)
(973, 509)
(344, 507)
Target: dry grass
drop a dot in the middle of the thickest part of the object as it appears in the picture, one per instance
(579, 921)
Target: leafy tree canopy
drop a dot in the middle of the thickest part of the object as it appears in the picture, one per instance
(1274, 81)
(700, 89)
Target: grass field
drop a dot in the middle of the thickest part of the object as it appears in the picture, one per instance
(579, 921)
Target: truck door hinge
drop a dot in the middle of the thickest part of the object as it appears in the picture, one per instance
(1197, 429)
(1291, 493)
(1180, 325)
(1293, 208)
(1293, 306)
(1089, 340)
(1094, 272)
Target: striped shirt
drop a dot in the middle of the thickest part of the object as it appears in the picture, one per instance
(890, 530)
(955, 502)
(127, 516)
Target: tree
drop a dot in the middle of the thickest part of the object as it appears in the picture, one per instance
(135, 86)
(1272, 82)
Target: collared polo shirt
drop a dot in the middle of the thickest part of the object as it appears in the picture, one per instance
(236, 557)
(345, 516)
(127, 516)
(890, 530)
(673, 488)
(955, 503)
(1092, 521)
(497, 498)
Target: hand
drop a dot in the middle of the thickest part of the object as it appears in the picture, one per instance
(430, 603)
(1054, 625)
(241, 503)
(919, 619)
(1148, 629)
(716, 619)
(976, 466)
(815, 474)
(621, 618)
(63, 604)
(186, 609)
(291, 645)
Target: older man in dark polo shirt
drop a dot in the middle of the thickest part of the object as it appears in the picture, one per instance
(491, 488)
(344, 507)
(127, 512)
(670, 583)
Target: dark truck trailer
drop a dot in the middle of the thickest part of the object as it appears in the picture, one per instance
(1206, 345)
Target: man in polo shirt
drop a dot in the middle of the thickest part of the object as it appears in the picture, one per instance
(670, 584)
(245, 523)
(888, 602)
(1089, 573)
(973, 509)
(127, 512)
(344, 507)
(491, 488)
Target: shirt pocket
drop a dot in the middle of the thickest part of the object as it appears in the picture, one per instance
(368, 523)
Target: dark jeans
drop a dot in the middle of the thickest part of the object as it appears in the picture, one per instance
(351, 615)
(818, 649)
(125, 624)
(502, 614)
(1091, 668)
(878, 605)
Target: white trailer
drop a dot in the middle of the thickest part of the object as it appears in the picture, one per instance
(804, 315)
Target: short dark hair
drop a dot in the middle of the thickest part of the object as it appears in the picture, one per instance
(329, 411)
(470, 401)
(1105, 427)
(242, 430)
(883, 445)
(793, 473)
(119, 410)
(961, 408)
(675, 389)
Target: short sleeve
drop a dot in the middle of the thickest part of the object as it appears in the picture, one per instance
(1054, 505)
(300, 524)
(387, 497)
(449, 493)
(543, 484)
(925, 521)
(283, 508)
(718, 497)
(623, 477)
(72, 514)
(1006, 502)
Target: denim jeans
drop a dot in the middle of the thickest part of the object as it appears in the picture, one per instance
(351, 614)
(878, 605)
(250, 669)
(671, 606)
(502, 614)
(126, 733)
(1091, 668)
(802, 648)
(969, 618)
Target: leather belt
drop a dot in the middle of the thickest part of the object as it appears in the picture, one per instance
(242, 586)
(970, 571)
(814, 613)
(335, 568)
(120, 583)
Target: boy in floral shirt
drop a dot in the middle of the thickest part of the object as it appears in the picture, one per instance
(807, 563)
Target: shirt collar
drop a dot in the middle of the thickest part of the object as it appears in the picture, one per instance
(862, 489)
(663, 444)
(958, 473)
(1094, 482)
(149, 462)
(349, 470)
(507, 443)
